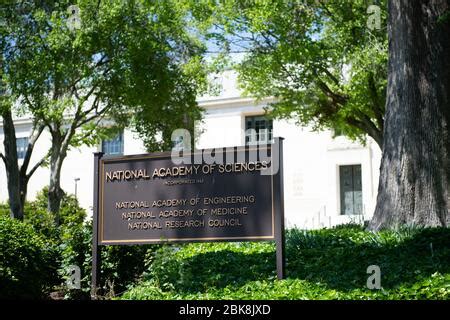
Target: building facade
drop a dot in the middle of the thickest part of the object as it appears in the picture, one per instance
(328, 180)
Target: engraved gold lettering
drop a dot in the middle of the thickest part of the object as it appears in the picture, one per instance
(175, 213)
(220, 223)
(132, 204)
(120, 175)
(144, 225)
(229, 199)
(230, 211)
(175, 224)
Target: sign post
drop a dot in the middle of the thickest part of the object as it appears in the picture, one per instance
(95, 247)
(279, 210)
(225, 194)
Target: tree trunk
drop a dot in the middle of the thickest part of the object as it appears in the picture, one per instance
(55, 192)
(23, 189)
(12, 167)
(18, 176)
(415, 167)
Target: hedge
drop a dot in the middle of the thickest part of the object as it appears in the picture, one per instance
(28, 263)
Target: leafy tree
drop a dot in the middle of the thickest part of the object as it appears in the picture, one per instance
(326, 66)
(319, 58)
(11, 18)
(133, 62)
(415, 168)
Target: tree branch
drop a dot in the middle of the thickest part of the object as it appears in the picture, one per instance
(35, 167)
(84, 98)
(97, 114)
(367, 126)
(35, 134)
(33, 107)
(3, 158)
(336, 97)
(101, 62)
(329, 74)
(27, 99)
(325, 8)
(97, 122)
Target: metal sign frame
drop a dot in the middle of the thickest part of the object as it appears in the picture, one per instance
(277, 212)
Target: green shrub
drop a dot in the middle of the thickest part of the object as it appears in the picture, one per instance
(121, 266)
(43, 222)
(28, 263)
(321, 264)
(71, 215)
(72, 243)
(75, 249)
(4, 210)
(193, 267)
(67, 238)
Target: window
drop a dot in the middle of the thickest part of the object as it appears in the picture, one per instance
(113, 146)
(351, 189)
(22, 144)
(258, 129)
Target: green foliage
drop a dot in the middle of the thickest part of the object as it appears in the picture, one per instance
(319, 59)
(121, 266)
(28, 263)
(340, 257)
(176, 267)
(43, 222)
(69, 240)
(136, 62)
(321, 264)
(75, 248)
(71, 245)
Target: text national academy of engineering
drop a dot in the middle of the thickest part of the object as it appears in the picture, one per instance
(183, 202)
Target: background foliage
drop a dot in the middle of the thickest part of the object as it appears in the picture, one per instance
(326, 68)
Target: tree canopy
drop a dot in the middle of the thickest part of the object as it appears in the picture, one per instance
(75, 66)
(131, 60)
(324, 61)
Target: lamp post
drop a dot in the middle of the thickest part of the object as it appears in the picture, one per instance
(76, 181)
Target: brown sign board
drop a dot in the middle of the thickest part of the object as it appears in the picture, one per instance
(149, 199)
